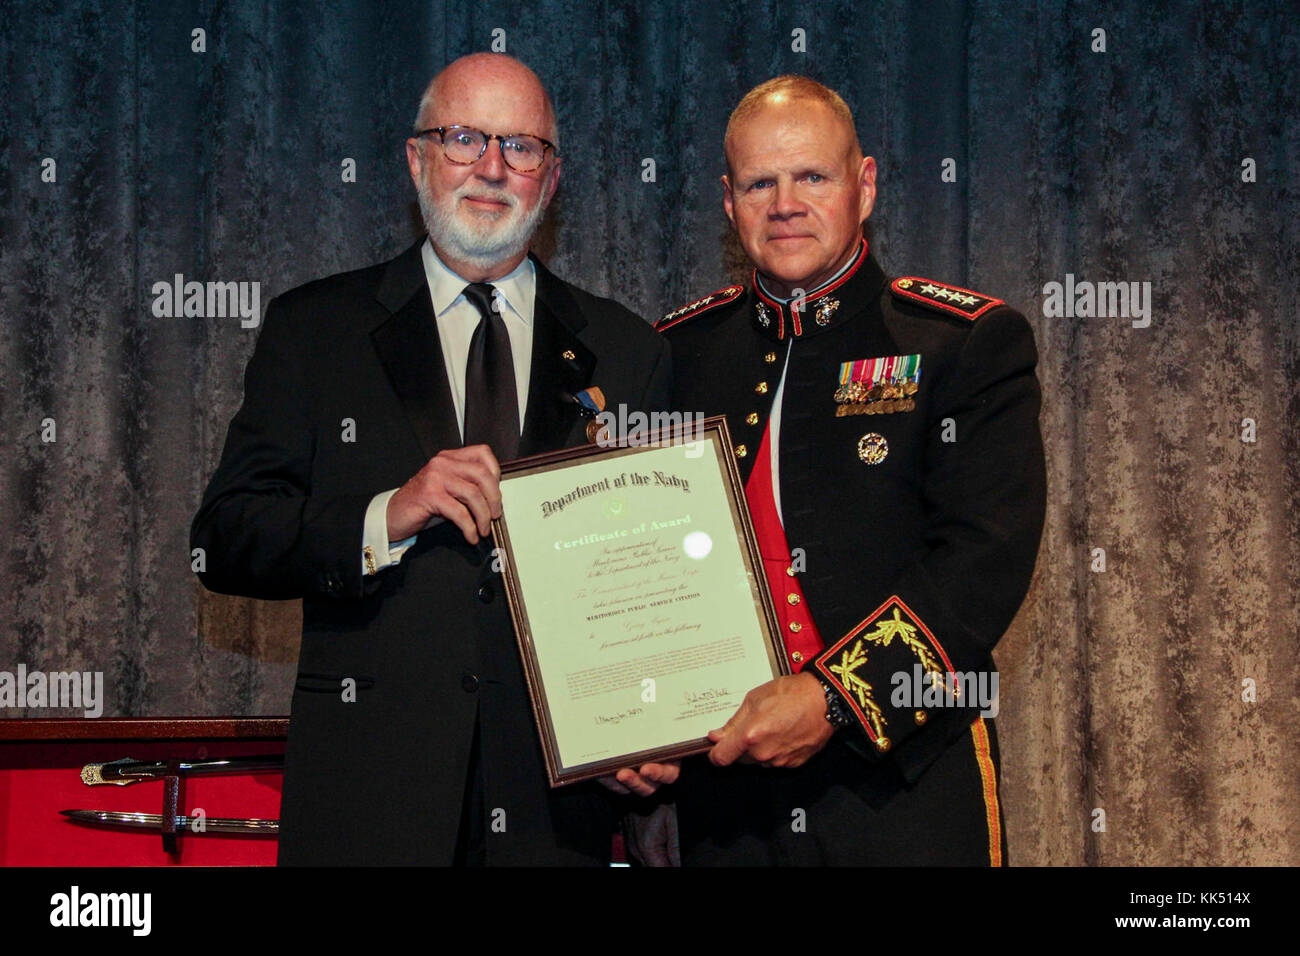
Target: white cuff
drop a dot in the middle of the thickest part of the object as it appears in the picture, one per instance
(376, 551)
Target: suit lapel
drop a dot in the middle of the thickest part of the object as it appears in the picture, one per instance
(406, 340)
(561, 365)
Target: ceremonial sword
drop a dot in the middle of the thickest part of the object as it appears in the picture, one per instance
(154, 822)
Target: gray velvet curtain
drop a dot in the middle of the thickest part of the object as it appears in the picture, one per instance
(1160, 691)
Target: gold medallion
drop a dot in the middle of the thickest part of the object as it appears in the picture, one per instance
(872, 448)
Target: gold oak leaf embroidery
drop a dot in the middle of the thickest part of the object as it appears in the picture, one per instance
(887, 629)
(847, 668)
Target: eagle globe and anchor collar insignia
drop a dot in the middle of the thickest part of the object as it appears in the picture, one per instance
(811, 311)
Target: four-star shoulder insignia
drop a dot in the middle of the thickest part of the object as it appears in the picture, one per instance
(691, 309)
(940, 295)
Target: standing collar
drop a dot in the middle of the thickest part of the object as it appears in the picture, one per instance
(785, 300)
(780, 320)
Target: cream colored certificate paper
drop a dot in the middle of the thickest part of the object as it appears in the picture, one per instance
(641, 610)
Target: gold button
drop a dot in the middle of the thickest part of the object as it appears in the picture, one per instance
(751, 418)
(769, 358)
(761, 388)
(790, 570)
(792, 599)
(919, 717)
(568, 354)
(795, 627)
(883, 744)
(796, 657)
(741, 451)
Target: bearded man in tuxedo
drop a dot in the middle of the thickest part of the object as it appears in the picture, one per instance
(361, 475)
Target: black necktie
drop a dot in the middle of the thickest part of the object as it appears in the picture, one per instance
(491, 402)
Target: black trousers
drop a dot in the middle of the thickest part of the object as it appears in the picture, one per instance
(841, 809)
(510, 817)
(471, 838)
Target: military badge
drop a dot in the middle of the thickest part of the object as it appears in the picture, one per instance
(878, 386)
(824, 308)
(591, 402)
(872, 448)
(764, 319)
(699, 307)
(947, 298)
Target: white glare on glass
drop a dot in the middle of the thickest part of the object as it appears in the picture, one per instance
(697, 545)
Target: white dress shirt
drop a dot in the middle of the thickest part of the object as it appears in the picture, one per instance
(457, 319)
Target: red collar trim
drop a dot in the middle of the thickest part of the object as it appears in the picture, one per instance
(830, 287)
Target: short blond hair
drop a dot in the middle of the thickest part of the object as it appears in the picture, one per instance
(789, 88)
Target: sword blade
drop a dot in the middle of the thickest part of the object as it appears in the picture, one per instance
(154, 822)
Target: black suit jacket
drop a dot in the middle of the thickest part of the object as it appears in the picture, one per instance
(346, 395)
(941, 532)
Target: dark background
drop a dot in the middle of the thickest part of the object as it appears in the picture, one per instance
(1121, 690)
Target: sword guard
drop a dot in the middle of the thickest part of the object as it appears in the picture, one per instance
(92, 774)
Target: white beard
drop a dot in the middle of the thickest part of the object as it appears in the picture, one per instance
(480, 242)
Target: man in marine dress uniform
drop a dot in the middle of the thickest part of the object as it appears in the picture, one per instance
(887, 434)
(361, 474)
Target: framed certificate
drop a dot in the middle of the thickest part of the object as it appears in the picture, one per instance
(637, 595)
